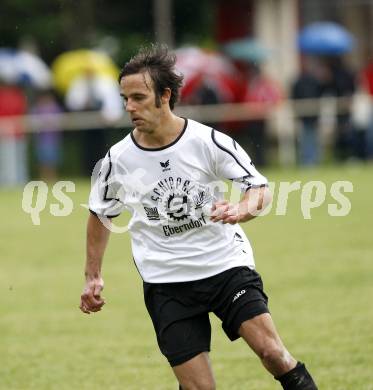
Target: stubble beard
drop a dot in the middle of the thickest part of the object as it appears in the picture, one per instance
(144, 130)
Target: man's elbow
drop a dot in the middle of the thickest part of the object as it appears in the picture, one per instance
(267, 198)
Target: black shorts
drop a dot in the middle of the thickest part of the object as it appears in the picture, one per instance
(180, 311)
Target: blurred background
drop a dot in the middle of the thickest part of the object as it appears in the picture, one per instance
(291, 80)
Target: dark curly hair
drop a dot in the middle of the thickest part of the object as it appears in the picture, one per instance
(160, 63)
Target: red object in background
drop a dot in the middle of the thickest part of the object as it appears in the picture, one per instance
(256, 87)
(367, 76)
(12, 103)
(263, 90)
(234, 20)
(206, 69)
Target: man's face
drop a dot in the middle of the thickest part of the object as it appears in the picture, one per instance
(138, 93)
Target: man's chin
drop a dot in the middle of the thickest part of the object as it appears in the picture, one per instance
(143, 129)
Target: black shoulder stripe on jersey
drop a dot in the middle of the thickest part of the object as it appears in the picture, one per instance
(107, 216)
(255, 186)
(234, 144)
(106, 181)
(229, 152)
(110, 165)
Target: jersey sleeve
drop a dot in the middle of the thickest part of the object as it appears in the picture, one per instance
(106, 196)
(233, 163)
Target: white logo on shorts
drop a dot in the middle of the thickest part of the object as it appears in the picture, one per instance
(242, 292)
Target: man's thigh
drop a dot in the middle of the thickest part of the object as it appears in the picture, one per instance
(182, 328)
(185, 339)
(241, 297)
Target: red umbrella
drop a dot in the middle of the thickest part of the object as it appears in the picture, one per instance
(205, 69)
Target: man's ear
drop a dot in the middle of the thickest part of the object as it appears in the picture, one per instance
(165, 98)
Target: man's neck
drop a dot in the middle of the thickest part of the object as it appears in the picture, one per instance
(166, 132)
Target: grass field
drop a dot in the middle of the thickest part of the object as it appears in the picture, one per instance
(318, 274)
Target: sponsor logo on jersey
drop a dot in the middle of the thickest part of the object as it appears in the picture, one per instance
(239, 294)
(169, 230)
(238, 237)
(165, 165)
(177, 205)
(169, 184)
(201, 198)
(152, 213)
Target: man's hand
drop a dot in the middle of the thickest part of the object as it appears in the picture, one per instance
(91, 300)
(225, 212)
(252, 204)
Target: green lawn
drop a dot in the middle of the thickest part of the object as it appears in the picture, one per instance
(318, 274)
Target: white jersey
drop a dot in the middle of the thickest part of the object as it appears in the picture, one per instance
(169, 191)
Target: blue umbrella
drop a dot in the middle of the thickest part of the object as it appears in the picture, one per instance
(325, 38)
(19, 66)
(246, 49)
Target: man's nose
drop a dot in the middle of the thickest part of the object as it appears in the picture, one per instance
(130, 106)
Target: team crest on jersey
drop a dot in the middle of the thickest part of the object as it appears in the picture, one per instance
(180, 200)
(165, 165)
(176, 204)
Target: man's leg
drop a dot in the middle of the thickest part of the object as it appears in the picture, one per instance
(196, 373)
(183, 332)
(261, 335)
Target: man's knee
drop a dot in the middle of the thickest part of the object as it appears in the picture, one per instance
(196, 373)
(273, 353)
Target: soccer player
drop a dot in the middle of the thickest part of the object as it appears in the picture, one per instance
(191, 253)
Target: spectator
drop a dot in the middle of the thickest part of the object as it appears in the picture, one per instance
(340, 81)
(205, 93)
(308, 86)
(264, 94)
(13, 162)
(93, 93)
(82, 96)
(48, 139)
(367, 83)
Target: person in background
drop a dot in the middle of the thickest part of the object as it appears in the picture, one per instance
(367, 85)
(205, 93)
(90, 92)
(48, 139)
(82, 96)
(13, 161)
(263, 93)
(307, 86)
(340, 81)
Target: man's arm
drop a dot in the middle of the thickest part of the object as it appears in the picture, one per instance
(97, 239)
(251, 205)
